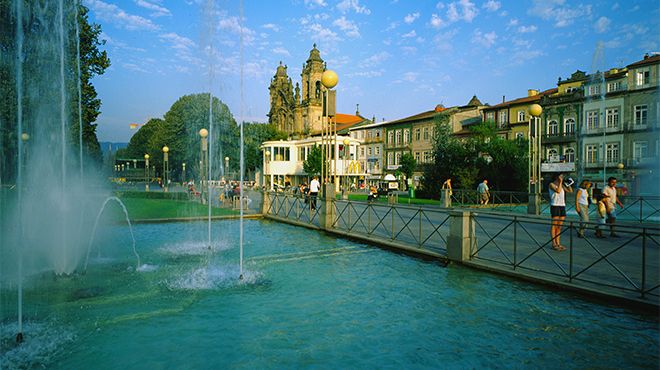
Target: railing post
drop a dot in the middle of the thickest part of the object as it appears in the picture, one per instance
(286, 205)
(570, 252)
(327, 214)
(445, 198)
(462, 239)
(392, 212)
(420, 226)
(643, 286)
(515, 242)
(368, 218)
(349, 225)
(265, 205)
(641, 204)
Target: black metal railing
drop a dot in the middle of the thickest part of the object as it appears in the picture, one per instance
(294, 207)
(628, 263)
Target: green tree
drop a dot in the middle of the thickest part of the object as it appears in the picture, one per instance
(408, 165)
(254, 134)
(312, 165)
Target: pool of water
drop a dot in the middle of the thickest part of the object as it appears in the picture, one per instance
(306, 300)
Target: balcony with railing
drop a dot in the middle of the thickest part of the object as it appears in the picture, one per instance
(599, 164)
(558, 138)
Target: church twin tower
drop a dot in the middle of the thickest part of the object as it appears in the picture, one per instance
(295, 114)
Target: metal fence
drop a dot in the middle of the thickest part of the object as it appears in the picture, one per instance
(628, 264)
(294, 208)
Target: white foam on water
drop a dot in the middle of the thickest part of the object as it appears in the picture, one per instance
(213, 277)
(194, 248)
(147, 268)
(42, 342)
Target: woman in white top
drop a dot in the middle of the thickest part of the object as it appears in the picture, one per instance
(582, 205)
(558, 191)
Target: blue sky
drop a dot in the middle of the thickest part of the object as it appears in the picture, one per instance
(394, 58)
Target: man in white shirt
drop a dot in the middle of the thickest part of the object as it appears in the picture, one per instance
(314, 187)
(612, 200)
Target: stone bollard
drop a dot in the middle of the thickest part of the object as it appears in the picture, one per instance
(534, 204)
(265, 205)
(327, 211)
(462, 239)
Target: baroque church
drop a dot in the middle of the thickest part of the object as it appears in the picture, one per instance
(299, 111)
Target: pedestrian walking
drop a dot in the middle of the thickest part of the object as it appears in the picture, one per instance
(611, 201)
(446, 193)
(484, 192)
(582, 205)
(558, 189)
(314, 187)
(601, 207)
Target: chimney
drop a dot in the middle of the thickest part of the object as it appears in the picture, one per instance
(646, 56)
(503, 98)
(532, 92)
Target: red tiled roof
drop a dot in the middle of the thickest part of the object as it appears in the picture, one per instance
(526, 99)
(342, 118)
(646, 60)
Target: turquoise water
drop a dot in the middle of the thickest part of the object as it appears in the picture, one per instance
(307, 300)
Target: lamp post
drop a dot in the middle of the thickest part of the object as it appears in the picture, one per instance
(329, 80)
(183, 180)
(346, 154)
(166, 150)
(267, 168)
(534, 160)
(227, 167)
(203, 133)
(146, 172)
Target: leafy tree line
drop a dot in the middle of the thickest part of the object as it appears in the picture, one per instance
(41, 92)
(467, 162)
(179, 131)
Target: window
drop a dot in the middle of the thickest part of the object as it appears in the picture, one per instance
(377, 150)
(594, 90)
(368, 134)
(612, 152)
(427, 157)
(553, 128)
(552, 155)
(378, 134)
(426, 133)
(571, 89)
(569, 155)
(592, 120)
(490, 117)
(302, 154)
(520, 135)
(613, 86)
(369, 151)
(612, 117)
(406, 136)
(361, 152)
(640, 149)
(418, 134)
(398, 158)
(642, 78)
(390, 137)
(521, 116)
(417, 157)
(502, 121)
(641, 114)
(569, 126)
(281, 153)
(591, 153)
(398, 137)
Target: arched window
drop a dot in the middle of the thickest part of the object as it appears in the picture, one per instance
(318, 89)
(552, 155)
(569, 155)
(569, 126)
(553, 128)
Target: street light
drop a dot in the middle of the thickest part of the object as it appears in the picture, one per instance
(184, 172)
(203, 163)
(227, 167)
(165, 166)
(267, 167)
(146, 172)
(534, 160)
(329, 79)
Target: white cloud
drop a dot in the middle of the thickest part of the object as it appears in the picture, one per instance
(178, 42)
(349, 28)
(409, 50)
(527, 29)
(368, 74)
(436, 22)
(314, 3)
(521, 56)
(462, 10)
(271, 26)
(410, 76)
(281, 51)
(134, 67)
(375, 59)
(634, 8)
(555, 10)
(318, 32)
(232, 24)
(602, 24)
(492, 5)
(615, 6)
(392, 26)
(354, 5)
(512, 23)
(409, 34)
(113, 14)
(443, 40)
(158, 11)
(411, 17)
(485, 39)
(440, 5)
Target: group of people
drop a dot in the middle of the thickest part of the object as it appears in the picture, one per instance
(606, 202)
(311, 191)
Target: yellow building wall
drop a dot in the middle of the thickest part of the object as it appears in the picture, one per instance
(561, 88)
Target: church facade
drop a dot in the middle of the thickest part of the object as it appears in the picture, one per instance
(299, 111)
